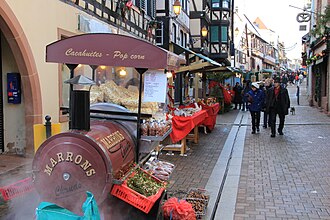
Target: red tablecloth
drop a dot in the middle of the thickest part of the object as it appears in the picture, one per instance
(181, 126)
(212, 112)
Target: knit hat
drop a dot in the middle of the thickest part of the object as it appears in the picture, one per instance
(255, 85)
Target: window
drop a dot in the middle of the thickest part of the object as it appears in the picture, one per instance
(214, 34)
(185, 40)
(215, 3)
(224, 34)
(149, 6)
(225, 3)
(174, 33)
(181, 38)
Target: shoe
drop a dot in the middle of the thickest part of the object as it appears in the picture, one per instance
(253, 132)
(280, 132)
(258, 129)
(265, 126)
(272, 135)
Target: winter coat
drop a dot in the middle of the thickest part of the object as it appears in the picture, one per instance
(246, 89)
(238, 94)
(281, 104)
(256, 100)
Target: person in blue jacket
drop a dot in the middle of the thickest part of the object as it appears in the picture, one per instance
(256, 98)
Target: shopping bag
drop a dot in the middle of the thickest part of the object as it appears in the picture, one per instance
(51, 211)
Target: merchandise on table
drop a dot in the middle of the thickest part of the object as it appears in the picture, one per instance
(199, 199)
(141, 190)
(144, 184)
(155, 128)
(160, 169)
(186, 112)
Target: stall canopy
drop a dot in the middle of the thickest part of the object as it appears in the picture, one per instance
(111, 50)
(267, 71)
(206, 62)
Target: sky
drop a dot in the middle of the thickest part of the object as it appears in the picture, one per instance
(278, 16)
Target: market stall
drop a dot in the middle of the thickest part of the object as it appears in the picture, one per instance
(181, 128)
(105, 152)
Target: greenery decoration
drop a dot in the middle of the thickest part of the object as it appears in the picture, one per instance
(321, 28)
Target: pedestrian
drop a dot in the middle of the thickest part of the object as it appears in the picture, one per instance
(255, 102)
(246, 89)
(268, 84)
(238, 98)
(277, 103)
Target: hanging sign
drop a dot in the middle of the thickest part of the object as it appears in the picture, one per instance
(303, 17)
(155, 82)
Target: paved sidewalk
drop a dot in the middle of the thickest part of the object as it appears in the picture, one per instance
(286, 177)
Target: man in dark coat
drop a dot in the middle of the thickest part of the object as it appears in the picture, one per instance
(277, 103)
(238, 98)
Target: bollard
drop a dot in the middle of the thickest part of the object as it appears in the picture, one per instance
(48, 126)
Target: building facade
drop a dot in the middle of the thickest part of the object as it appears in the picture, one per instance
(31, 87)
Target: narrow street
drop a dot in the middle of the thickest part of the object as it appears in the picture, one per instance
(248, 176)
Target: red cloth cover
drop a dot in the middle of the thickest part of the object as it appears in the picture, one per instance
(212, 112)
(181, 126)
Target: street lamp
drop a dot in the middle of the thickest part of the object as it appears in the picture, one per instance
(236, 31)
(204, 31)
(177, 7)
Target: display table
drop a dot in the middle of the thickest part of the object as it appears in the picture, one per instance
(212, 112)
(182, 126)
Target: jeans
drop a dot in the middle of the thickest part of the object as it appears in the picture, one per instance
(272, 118)
(255, 120)
(266, 120)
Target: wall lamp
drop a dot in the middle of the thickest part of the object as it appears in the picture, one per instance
(204, 31)
(236, 31)
(177, 7)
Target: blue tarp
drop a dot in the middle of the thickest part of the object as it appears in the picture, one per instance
(51, 211)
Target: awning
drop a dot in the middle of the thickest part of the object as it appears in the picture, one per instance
(267, 70)
(202, 65)
(111, 50)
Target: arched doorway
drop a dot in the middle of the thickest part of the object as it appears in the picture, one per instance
(23, 56)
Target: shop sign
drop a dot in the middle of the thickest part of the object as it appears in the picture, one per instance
(110, 50)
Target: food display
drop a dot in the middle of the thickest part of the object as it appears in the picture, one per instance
(186, 112)
(144, 184)
(160, 169)
(207, 101)
(112, 93)
(155, 127)
(199, 199)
